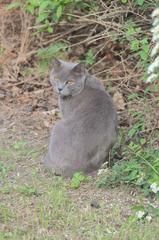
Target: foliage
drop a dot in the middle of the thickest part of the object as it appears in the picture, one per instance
(141, 159)
(136, 2)
(138, 43)
(142, 169)
(77, 179)
(5, 213)
(3, 170)
(148, 210)
(45, 55)
(89, 60)
(28, 190)
(50, 52)
(47, 12)
(20, 145)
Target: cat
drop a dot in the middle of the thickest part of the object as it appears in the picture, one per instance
(82, 139)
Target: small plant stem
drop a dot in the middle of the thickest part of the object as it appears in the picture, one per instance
(147, 162)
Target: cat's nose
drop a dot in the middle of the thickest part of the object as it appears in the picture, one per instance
(59, 89)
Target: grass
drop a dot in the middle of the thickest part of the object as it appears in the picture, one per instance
(37, 205)
(140, 231)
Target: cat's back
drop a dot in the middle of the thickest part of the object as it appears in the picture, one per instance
(92, 109)
(94, 101)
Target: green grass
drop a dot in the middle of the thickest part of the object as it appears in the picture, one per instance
(138, 231)
(37, 205)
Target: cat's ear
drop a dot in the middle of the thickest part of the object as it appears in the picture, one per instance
(55, 67)
(79, 68)
(56, 64)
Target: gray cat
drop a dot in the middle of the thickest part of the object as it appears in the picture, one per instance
(81, 140)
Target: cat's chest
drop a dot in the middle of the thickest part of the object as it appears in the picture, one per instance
(84, 102)
(66, 107)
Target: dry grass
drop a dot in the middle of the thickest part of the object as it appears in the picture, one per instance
(103, 30)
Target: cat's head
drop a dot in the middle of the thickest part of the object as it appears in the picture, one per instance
(68, 79)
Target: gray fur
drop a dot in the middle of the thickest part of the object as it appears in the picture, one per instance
(81, 140)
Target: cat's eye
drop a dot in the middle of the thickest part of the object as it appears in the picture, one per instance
(69, 82)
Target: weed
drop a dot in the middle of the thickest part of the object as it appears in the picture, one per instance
(17, 149)
(77, 179)
(47, 12)
(3, 170)
(28, 191)
(5, 213)
(52, 51)
(13, 5)
(148, 210)
(141, 169)
(6, 189)
(45, 55)
(138, 45)
(136, 2)
(89, 60)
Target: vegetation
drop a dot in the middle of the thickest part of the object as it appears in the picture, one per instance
(113, 38)
(38, 205)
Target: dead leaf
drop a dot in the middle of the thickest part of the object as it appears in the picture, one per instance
(25, 98)
(2, 94)
(16, 91)
(119, 101)
(52, 112)
(39, 93)
(46, 124)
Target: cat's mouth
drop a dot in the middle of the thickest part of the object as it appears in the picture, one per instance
(61, 93)
(63, 96)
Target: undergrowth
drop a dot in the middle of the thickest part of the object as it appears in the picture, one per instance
(50, 15)
(140, 169)
(140, 153)
(106, 35)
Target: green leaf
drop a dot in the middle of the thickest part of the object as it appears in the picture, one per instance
(50, 52)
(77, 179)
(34, 3)
(143, 55)
(19, 145)
(30, 8)
(13, 5)
(137, 208)
(132, 176)
(130, 31)
(42, 16)
(43, 5)
(134, 46)
(89, 57)
(136, 128)
(140, 2)
(59, 12)
(142, 141)
(144, 41)
(50, 29)
(28, 190)
(124, 1)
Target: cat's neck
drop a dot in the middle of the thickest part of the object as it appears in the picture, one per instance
(69, 104)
